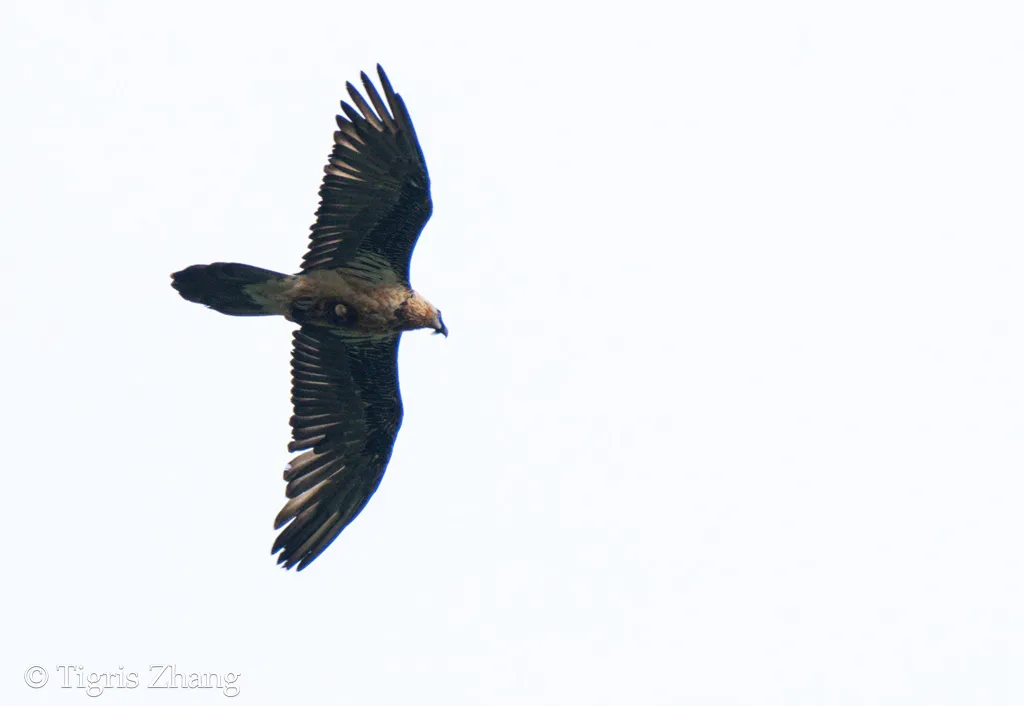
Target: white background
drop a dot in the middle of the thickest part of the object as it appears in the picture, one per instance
(731, 411)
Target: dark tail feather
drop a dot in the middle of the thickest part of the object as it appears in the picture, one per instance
(223, 287)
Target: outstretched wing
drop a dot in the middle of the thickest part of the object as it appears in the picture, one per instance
(347, 413)
(375, 196)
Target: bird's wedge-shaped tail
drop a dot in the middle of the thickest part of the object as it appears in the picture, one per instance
(227, 287)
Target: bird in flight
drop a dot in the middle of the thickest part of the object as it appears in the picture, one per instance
(352, 300)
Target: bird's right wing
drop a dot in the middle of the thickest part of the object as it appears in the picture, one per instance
(375, 196)
(348, 409)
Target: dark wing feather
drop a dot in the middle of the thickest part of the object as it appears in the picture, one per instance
(375, 196)
(347, 413)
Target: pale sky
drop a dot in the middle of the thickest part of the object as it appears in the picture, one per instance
(732, 407)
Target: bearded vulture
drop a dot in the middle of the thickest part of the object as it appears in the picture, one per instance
(352, 301)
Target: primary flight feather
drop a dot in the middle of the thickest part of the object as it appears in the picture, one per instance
(352, 300)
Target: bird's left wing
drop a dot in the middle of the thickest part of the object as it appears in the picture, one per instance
(347, 411)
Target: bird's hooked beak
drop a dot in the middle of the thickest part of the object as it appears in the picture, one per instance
(440, 328)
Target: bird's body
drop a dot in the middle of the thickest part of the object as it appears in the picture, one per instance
(353, 301)
(346, 299)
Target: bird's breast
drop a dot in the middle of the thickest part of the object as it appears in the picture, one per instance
(338, 299)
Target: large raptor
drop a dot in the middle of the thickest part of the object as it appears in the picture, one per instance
(352, 300)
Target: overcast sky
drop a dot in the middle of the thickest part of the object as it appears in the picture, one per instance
(732, 407)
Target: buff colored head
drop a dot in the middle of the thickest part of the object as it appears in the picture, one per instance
(416, 312)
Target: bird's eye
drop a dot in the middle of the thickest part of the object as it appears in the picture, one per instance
(340, 310)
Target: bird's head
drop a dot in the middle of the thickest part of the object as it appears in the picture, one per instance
(416, 312)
